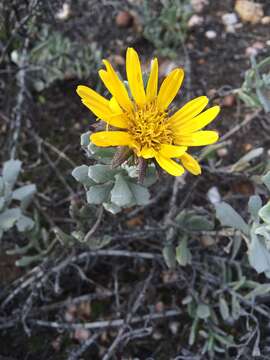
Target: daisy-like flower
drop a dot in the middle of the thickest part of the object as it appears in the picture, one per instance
(139, 118)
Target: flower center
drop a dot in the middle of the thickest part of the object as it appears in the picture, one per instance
(148, 127)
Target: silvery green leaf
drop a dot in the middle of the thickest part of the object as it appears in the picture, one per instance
(266, 180)
(104, 155)
(199, 223)
(112, 208)
(80, 173)
(183, 254)
(169, 255)
(101, 173)
(242, 163)
(96, 243)
(2, 203)
(229, 217)
(24, 223)
(28, 260)
(264, 213)
(236, 308)
(24, 194)
(224, 308)
(264, 231)
(97, 194)
(11, 171)
(85, 138)
(203, 311)
(259, 256)
(9, 217)
(150, 176)
(140, 194)
(2, 186)
(254, 205)
(121, 194)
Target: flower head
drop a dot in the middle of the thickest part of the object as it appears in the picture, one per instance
(138, 116)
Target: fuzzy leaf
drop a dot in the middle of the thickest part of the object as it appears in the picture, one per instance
(121, 194)
(80, 173)
(9, 217)
(266, 180)
(101, 173)
(259, 256)
(85, 138)
(140, 194)
(229, 217)
(24, 194)
(254, 205)
(97, 194)
(112, 208)
(203, 311)
(11, 171)
(24, 223)
(183, 254)
(264, 213)
(199, 223)
(224, 308)
(169, 255)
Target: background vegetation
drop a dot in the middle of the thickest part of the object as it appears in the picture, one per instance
(182, 275)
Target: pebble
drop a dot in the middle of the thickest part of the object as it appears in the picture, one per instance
(63, 13)
(194, 21)
(265, 20)
(254, 49)
(230, 21)
(228, 100)
(198, 5)
(123, 19)
(211, 34)
(222, 152)
(249, 11)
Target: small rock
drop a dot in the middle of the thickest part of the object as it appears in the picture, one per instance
(230, 21)
(249, 11)
(255, 48)
(159, 306)
(198, 5)
(174, 326)
(222, 152)
(265, 20)
(195, 20)
(157, 335)
(211, 34)
(228, 100)
(63, 14)
(123, 19)
(82, 334)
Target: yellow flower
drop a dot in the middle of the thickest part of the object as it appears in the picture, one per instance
(142, 118)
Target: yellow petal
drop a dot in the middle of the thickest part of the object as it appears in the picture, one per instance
(134, 76)
(169, 88)
(191, 164)
(100, 106)
(147, 153)
(172, 151)
(111, 138)
(198, 138)
(172, 167)
(188, 111)
(152, 85)
(200, 121)
(115, 86)
(114, 106)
